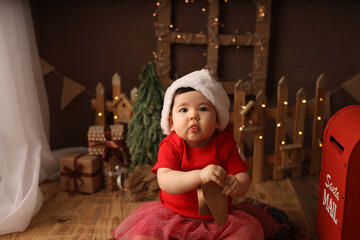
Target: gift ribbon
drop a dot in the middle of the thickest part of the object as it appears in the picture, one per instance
(77, 173)
(110, 146)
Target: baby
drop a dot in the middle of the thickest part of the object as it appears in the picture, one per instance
(199, 148)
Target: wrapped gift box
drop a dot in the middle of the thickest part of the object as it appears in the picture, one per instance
(109, 136)
(111, 172)
(80, 173)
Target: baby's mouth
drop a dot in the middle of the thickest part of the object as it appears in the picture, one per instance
(194, 128)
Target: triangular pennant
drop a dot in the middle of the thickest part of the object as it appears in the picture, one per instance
(352, 86)
(71, 90)
(46, 67)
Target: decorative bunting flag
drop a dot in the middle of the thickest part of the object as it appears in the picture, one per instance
(46, 67)
(352, 86)
(71, 90)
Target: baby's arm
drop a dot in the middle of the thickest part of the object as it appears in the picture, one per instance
(236, 185)
(179, 182)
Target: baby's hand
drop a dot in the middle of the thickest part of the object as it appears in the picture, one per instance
(213, 173)
(231, 185)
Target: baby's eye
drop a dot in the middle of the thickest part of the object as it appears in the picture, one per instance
(183, 110)
(203, 109)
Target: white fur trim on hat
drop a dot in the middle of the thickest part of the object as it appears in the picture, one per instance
(204, 83)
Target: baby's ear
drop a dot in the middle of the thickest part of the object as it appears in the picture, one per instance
(171, 122)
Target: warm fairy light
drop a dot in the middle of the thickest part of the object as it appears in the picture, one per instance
(321, 99)
(260, 13)
(171, 26)
(178, 36)
(154, 14)
(300, 132)
(263, 105)
(303, 101)
(216, 19)
(159, 38)
(116, 97)
(203, 9)
(241, 128)
(216, 46)
(243, 107)
(320, 144)
(237, 47)
(285, 103)
(260, 137)
(278, 125)
(233, 39)
(115, 117)
(100, 114)
(226, 1)
(282, 142)
(204, 54)
(186, 1)
(157, 4)
(319, 118)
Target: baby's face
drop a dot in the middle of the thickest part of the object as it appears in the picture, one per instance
(193, 118)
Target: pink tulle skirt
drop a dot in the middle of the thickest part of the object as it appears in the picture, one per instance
(155, 221)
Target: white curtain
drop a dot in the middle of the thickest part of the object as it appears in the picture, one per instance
(25, 156)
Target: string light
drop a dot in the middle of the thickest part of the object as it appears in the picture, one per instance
(116, 97)
(303, 101)
(321, 99)
(319, 118)
(278, 125)
(157, 4)
(203, 9)
(260, 137)
(300, 132)
(285, 103)
(178, 36)
(115, 117)
(260, 13)
(171, 26)
(263, 105)
(100, 114)
(241, 128)
(282, 142)
(319, 142)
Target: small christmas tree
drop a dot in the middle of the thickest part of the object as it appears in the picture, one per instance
(144, 131)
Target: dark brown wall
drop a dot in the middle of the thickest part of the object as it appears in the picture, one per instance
(89, 41)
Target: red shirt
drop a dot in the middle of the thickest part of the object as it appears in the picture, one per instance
(176, 155)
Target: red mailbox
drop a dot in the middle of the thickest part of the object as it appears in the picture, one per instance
(338, 208)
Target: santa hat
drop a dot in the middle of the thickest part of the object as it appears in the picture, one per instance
(204, 83)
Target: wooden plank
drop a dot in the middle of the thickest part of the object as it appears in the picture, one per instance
(280, 132)
(100, 105)
(239, 102)
(258, 154)
(213, 42)
(116, 91)
(318, 124)
(162, 29)
(261, 48)
(307, 190)
(299, 128)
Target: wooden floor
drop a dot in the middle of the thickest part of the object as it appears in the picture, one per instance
(81, 216)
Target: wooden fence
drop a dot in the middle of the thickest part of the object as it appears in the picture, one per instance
(120, 105)
(250, 118)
